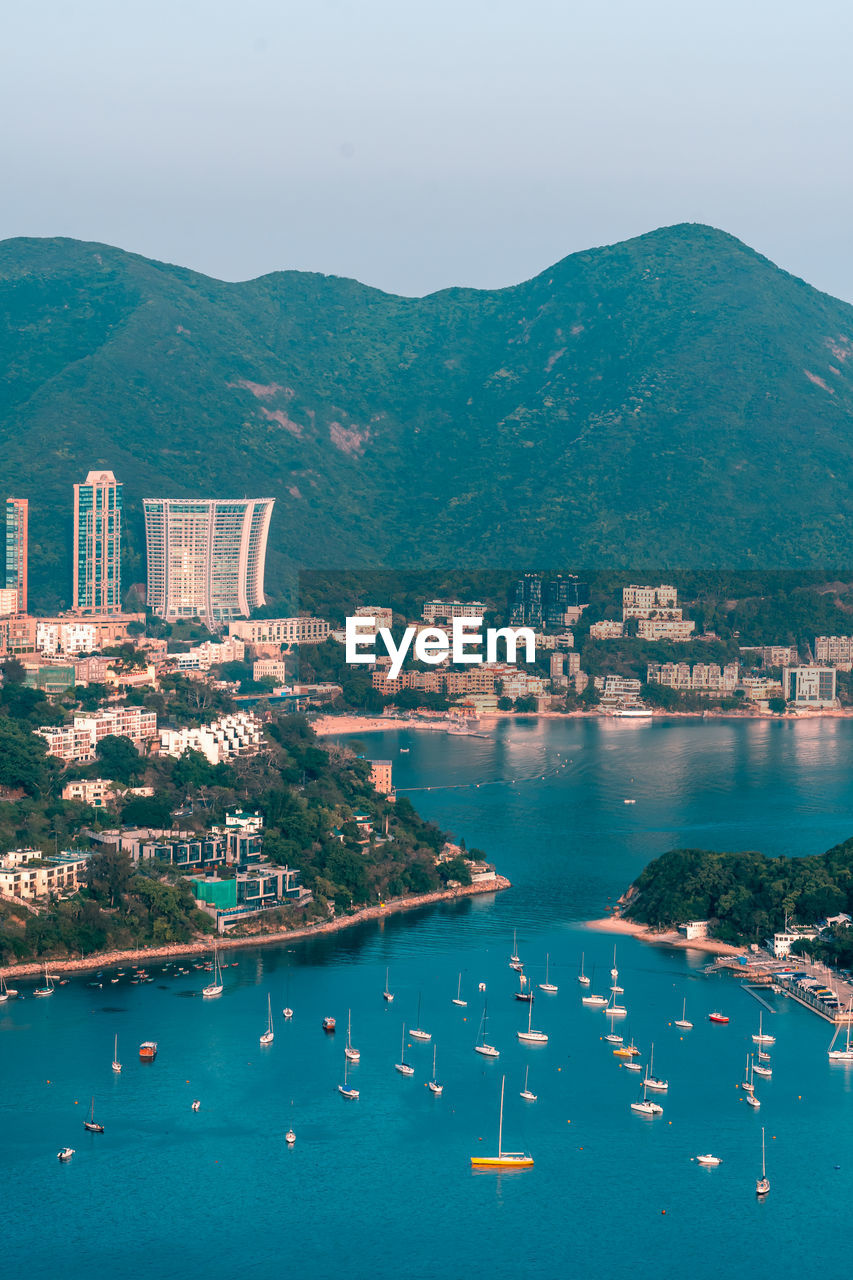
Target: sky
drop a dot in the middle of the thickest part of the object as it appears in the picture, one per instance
(416, 146)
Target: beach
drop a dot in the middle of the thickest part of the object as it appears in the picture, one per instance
(667, 938)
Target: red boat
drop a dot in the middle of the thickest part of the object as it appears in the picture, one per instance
(717, 1017)
(328, 1024)
(148, 1050)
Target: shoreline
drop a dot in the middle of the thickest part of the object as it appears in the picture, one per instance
(203, 946)
(669, 938)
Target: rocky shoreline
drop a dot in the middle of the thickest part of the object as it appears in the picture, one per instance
(203, 946)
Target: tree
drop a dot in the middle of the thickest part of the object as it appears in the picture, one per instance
(109, 873)
(120, 758)
(13, 671)
(778, 706)
(23, 758)
(504, 704)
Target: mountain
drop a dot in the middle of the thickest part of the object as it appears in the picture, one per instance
(675, 399)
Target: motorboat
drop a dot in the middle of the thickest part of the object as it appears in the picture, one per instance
(65, 1153)
(708, 1160)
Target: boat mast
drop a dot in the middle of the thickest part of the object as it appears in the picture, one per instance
(501, 1121)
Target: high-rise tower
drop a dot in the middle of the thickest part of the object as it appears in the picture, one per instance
(97, 544)
(17, 515)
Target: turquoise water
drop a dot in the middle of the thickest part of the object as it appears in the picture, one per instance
(382, 1186)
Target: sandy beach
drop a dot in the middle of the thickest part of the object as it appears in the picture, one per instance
(204, 946)
(669, 938)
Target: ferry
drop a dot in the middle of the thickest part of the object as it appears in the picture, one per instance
(148, 1050)
(718, 1017)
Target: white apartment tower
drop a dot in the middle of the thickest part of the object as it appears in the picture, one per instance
(206, 556)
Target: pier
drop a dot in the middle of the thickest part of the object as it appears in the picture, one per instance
(761, 970)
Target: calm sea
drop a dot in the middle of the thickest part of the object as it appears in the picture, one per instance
(382, 1186)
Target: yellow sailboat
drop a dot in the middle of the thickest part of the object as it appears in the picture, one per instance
(504, 1159)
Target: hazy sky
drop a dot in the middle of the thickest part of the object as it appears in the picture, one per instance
(417, 145)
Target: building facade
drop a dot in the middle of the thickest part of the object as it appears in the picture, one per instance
(281, 631)
(17, 519)
(29, 874)
(809, 686)
(77, 743)
(834, 651)
(206, 556)
(97, 544)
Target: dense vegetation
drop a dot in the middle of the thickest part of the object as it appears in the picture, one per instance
(644, 402)
(746, 896)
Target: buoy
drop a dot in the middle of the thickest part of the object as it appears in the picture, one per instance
(663, 1211)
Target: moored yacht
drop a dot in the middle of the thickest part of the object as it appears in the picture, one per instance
(503, 1159)
(683, 1021)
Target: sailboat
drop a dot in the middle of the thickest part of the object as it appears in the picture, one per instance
(4, 990)
(435, 1087)
(515, 958)
(416, 1033)
(403, 1066)
(525, 1092)
(487, 1050)
(350, 1053)
(751, 1098)
(762, 1184)
(48, 988)
(387, 994)
(287, 1012)
(748, 1086)
(530, 1036)
(546, 985)
(612, 1008)
(523, 993)
(290, 1137)
(463, 1004)
(650, 1081)
(761, 1070)
(214, 988)
(614, 976)
(582, 978)
(345, 1089)
(761, 1038)
(91, 1124)
(683, 1021)
(647, 1107)
(593, 1000)
(504, 1159)
(845, 1054)
(116, 1063)
(269, 1034)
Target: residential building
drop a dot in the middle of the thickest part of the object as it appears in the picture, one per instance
(573, 664)
(209, 653)
(17, 518)
(380, 612)
(206, 556)
(675, 629)
(446, 610)
(8, 602)
(643, 602)
(760, 688)
(832, 651)
(281, 632)
(221, 740)
(77, 743)
(97, 544)
(606, 630)
(67, 638)
(526, 610)
(617, 690)
(809, 686)
(564, 597)
(29, 874)
(557, 669)
(269, 669)
(380, 777)
(98, 793)
(701, 678)
(774, 655)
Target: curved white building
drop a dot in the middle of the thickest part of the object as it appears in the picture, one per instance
(206, 556)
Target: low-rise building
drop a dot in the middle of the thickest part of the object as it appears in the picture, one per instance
(677, 630)
(617, 690)
(606, 630)
(809, 686)
(380, 777)
(210, 653)
(833, 651)
(785, 939)
(219, 741)
(66, 638)
(706, 678)
(771, 655)
(269, 669)
(95, 792)
(30, 874)
(446, 610)
(647, 600)
(694, 929)
(281, 631)
(77, 743)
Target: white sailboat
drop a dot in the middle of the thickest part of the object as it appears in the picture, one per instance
(514, 958)
(350, 1053)
(592, 1000)
(269, 1035)
(387, 994)
(345, 1089)
(748, 1086)
(487, 1050)
(504, 1159)
(463, 1004)
(761, 1038)
(546, 985)
(525, 1092)
(582, 978)
(683, 1021)
(761, 1070)
(403, 1066)
(762, 1184)
(215, 988)
(434, 1086)
(4, 990)
(416, 1032)
(752, 1101)
(650, 1081)
(845, 1054)
(530, 1036)
(612, 1008)
(290, 1137)
(48, 988)
(116, 1063)
(614, 977)
(646, 1107)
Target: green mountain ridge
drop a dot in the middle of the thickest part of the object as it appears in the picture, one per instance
(674, 399)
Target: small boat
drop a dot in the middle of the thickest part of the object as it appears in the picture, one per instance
(290, 1137)
(434, 1086)
(650, 1081)
(463, 1004)
(345, 1089)
(761, 1038)
(718, 1017)
(216, 987)
(350, 1053)
(530, 1036)
(629, 801)
(504, 1159)
(631, 1066)
(627, 1051)
(839, 1055)
(65, 1153)
(148, 1050)
(404, 751)
(387, 994)
(515, 958)
(328, 1024)
(487, 1050)
(116, 1063)
(525, 1092)
(646, 1107)
(708, 1160)
(416, 1032)
(547, 986)
(91, 1124)
(287, 1013)
(582, 978)
(48, 988)
(403, 1066)
(269, 1035)
(196, 1105)
(684, 1022)
(762, 1184)
(598, 1002)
